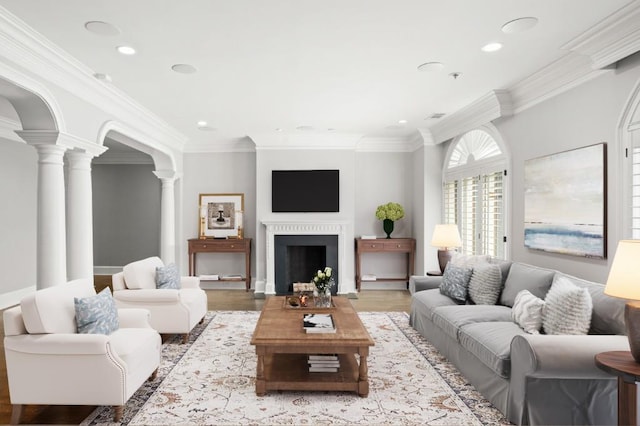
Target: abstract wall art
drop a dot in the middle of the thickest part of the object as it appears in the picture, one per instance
(565, 202)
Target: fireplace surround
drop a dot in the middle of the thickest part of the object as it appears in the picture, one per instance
(319, 232)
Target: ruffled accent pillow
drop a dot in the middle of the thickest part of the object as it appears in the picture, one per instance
(168, 277)
(485, 284)
(527, 312)
(96, 314)
(455, 282)
(567, 308)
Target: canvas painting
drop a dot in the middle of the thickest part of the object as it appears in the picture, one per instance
(565, 202)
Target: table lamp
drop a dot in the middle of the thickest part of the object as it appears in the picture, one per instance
(624, 282)
(445, 236)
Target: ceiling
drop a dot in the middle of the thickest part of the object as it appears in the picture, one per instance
(310, 67)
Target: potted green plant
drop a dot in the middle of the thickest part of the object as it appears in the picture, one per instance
(388, 214)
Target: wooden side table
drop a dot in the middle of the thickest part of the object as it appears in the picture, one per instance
(222, 246)
(386, 245)
(622, 364)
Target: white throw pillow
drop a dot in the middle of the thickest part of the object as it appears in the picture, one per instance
(527, 312)
(485, 284)
(567, 308)
(142, 274)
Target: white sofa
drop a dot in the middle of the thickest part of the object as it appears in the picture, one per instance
(173, 311)
(50, 363)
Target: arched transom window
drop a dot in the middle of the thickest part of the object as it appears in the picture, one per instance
(474, 192)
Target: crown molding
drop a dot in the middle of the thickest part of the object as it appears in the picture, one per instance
(306, 140)
(565, 73)
(494, 104)
(8, 129)
(123, 158)
(224, 145)
(30, 50)
(612, 39)
(385, 144)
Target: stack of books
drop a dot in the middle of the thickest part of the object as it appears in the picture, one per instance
(318, 323)
(324, 363)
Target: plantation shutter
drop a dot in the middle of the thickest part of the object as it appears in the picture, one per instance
(635, 192)
(468, 219)
(492, 239)
(450, 191)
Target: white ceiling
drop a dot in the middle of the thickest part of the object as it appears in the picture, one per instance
(339, 66)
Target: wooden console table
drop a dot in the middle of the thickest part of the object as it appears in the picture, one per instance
(386, 245)
(222, 246)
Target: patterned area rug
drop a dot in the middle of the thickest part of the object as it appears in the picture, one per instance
(211, 380)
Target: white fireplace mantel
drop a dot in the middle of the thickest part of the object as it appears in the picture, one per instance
(304, 227)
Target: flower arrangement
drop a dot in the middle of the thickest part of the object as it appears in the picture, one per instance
(391, 211)
(323, 280)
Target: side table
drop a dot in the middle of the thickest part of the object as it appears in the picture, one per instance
(622, 364)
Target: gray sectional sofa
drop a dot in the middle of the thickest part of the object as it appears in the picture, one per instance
(537, 379)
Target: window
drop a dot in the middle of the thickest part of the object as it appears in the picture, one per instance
(473, 193)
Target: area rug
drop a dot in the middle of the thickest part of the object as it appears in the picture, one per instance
(211, 381)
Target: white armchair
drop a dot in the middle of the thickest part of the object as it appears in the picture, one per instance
(50, 363)
(173, 311)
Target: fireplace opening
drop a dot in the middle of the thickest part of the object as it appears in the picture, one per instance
(298, 257)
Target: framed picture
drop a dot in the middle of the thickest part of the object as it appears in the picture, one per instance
(565, 202)
(221, 215)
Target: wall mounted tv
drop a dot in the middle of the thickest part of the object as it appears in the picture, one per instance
(305, 191)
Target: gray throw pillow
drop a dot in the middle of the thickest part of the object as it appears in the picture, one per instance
(485, 284)
(527, 312)
(96, 314)
(455, 281)
(168, 277)
(567, 308)
(526, 277)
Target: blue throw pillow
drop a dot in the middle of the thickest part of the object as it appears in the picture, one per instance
(168, 277)
(96, 314)
(455, 282)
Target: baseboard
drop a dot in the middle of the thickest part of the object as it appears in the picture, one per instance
(13, 297)
(106, 270)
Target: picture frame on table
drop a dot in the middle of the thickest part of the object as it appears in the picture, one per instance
(220, 215)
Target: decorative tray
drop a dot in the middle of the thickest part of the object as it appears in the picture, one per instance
(288, 300)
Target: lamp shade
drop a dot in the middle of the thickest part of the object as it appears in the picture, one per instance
(624, 276)
(446, 235)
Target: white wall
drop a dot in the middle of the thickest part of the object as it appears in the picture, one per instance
(18, 216)
(585, 115)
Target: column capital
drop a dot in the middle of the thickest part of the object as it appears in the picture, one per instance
(77, 143)
(167, 175)
(39, 137)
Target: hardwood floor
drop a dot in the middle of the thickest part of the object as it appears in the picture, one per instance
(369, 300)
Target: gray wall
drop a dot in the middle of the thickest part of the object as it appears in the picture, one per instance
(585, 115)
(126, 213)
(18, 216)
(217, 173)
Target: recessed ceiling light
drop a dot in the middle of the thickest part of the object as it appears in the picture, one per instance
(492, 47)
(126, 50)
(402, 121)
(202, 123)
(278, 129)
(103, 77)
(102, 28)
(431, 66)
(184, 68)
(519, 25)
(304, 128)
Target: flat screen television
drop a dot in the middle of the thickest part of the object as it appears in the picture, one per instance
(305, 191)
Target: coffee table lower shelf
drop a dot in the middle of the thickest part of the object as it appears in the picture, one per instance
(291, 372)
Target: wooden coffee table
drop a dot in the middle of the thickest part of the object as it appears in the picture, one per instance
(282, 347)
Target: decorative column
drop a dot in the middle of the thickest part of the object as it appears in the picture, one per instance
(51, 251)
(79, 215)
(167, 215)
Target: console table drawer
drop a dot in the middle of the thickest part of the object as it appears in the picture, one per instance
(217, 246)
(398, 246)
(370, 246)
